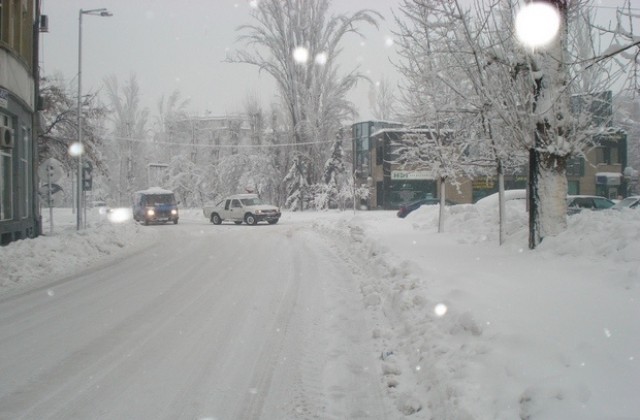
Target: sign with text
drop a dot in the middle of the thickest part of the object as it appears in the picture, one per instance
(410, 175)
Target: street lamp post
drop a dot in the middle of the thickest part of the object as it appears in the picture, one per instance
(79, 147)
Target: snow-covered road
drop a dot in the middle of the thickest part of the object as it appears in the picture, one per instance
(212, 322)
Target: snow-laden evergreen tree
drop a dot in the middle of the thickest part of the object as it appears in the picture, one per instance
(297, 42)
(333, 175)
(296, 180)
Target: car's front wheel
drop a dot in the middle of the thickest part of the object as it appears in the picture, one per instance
(215, 219)
(250, 219)
(273, 222)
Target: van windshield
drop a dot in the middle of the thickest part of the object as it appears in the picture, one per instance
(156, 199)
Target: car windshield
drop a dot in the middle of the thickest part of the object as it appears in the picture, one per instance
(603, 203)
(627, 202)
(254, 201)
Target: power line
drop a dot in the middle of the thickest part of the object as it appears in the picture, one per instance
(220, 146)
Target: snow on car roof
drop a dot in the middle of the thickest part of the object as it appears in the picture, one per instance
(154, 190)
(247, 195)
(492, 200)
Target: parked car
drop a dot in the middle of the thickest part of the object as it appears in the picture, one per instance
(100, 206)
(248, 208)
(407, 208)
(577, 203)
(492, 200)
(632, 202)
(155, 205)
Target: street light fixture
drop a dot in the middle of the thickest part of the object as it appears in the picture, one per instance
(79, 147)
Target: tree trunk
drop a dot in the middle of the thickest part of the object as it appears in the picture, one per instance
(552, 185)
(501, 203)
(442, 202)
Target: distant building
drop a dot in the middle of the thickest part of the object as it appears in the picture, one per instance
(19, 207)
(392, 184)
(374, 142)
(224, 135)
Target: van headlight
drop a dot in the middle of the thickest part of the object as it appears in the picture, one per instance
(150, 212)
(174, 212)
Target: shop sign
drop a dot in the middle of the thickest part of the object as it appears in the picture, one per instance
(410, 175)
(610, 179)
(483, 184)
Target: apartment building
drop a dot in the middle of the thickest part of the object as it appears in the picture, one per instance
(19, 210)
(599, 172)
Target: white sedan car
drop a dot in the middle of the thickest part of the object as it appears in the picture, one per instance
(632, 202)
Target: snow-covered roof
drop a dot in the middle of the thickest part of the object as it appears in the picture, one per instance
(609, 174)
(154, 190)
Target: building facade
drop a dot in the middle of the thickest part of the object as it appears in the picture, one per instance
(19, 207)
(599, 172)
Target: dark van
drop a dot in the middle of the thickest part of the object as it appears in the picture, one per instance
(155, 205)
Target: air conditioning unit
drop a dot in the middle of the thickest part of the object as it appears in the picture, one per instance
(44, 23)
(6, 137)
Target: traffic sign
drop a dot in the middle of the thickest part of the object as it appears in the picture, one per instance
(50, 171)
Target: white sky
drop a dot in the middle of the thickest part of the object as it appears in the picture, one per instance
(181, 45)
(173, 45)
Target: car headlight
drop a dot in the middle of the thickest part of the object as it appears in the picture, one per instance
(150, 212)
(174, 211)
(258, 211)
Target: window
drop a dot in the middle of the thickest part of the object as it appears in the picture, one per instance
(573, 187)
(607, 153)
(1, 26)
(575, 166)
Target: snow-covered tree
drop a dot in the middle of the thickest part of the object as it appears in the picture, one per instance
(443, 151)
(296, 180)
(169, 110)
(469, 59)
(334, 166)
(383, 100)
(255, 116)
(60, 128)
(129, 119)
(448, 77)
(297, 42)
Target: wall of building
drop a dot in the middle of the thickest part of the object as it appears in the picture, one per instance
(19, 206)
(372, 160)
